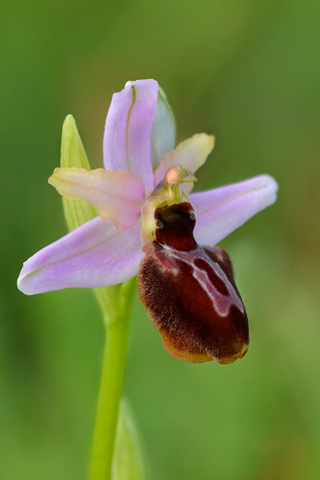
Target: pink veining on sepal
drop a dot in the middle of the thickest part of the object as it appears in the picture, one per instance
(222, 210)
(96, 254)
(126, 143)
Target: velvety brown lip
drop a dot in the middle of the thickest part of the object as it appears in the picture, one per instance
(190, 294)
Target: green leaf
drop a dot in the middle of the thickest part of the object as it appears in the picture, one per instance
(128, 459)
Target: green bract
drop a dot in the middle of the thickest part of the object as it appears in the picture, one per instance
(73, 154)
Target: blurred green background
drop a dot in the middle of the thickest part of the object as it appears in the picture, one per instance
(247, 71)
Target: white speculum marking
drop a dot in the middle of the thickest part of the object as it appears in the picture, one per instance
(221, 303)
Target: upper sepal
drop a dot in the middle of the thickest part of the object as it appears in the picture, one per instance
(126, 143)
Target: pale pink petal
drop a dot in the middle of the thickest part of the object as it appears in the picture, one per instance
(118, 196)
(222, 210)
(127, 136)
(192, 153)
(96, 254)
(163, 135)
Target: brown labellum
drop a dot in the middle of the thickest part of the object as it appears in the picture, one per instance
(189, 292)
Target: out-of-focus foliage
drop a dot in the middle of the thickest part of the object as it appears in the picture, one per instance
(249, 72)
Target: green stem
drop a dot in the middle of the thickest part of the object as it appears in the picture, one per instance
(116, 306)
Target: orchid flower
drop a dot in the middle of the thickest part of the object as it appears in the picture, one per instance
(145, 183)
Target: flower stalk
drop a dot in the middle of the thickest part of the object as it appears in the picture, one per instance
(116, 305)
